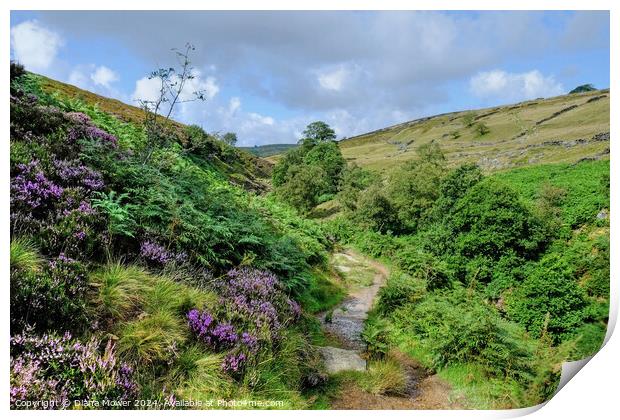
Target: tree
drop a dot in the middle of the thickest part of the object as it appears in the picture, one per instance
(304, 186)
(374, 211)
(412, 188)
(454, 186)
(481, 129)
(469, 119)
(354, 180)
(171, 86)
(491, 219)
(317, 132)
(327, 155)
(230, 138)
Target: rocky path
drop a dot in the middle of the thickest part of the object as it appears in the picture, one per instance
(346, 323)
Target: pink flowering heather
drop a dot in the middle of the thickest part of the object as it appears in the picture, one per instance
(85, 129)
(59, 370)
(234, 363)
(73, 172)
(31, 188)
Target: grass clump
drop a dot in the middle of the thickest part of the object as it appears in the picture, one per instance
(152, 338)
(24, 256)
(384, 377)
(118, 290)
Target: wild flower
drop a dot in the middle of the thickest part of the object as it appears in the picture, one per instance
(215, 335)
(89, 131)
(257, 295)
(73, 172)
(200, 323)
(234, 363)
(60, 369)
(154, 252)
(224, 335)
(250, 341)
(31, 187)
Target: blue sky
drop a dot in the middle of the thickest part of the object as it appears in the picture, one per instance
(268, 74)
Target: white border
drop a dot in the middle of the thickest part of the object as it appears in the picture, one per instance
(592, 394)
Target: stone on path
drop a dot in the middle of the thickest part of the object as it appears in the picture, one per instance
(337, 360)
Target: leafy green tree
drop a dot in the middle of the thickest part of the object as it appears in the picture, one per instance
(318, 132)
(304, 185)
(481, 129)
(454, 186)
(469, 119)
(490, 221)
(230, 138)
(354, 180)
(413, 187)
(327, 155)
(374, 211)
(280, 170)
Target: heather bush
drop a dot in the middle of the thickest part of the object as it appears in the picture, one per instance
(50, 298)
(59, 370)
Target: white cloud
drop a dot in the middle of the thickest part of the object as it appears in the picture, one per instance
(504, 86)
(234, 105)
(260, 119)
(78, 78)
(103, 76)
(146, 90)
(34, 46)
(333, 80)
(149, 89)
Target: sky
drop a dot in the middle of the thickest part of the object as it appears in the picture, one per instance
(266, 75)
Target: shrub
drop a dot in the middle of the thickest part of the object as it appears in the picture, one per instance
(432, 271)
(459, 329)
(481, 129)
(58, 370)
(375, 212)
(304, 186)
(490, 221)
(549, 300)
(400, 289)
(17, 70)
(376, 335)
(469, 119)
(50, 298)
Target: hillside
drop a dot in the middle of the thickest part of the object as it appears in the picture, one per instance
(243, 169)
(267, 150)
(554, 130)
(142, 268)
(153, 262)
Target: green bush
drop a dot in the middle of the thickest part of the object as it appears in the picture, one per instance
(458, 329)
(399, 289)
(549, 300)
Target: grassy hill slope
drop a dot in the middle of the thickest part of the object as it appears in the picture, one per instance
(555, 130)
(267, 150)
(243, 168)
